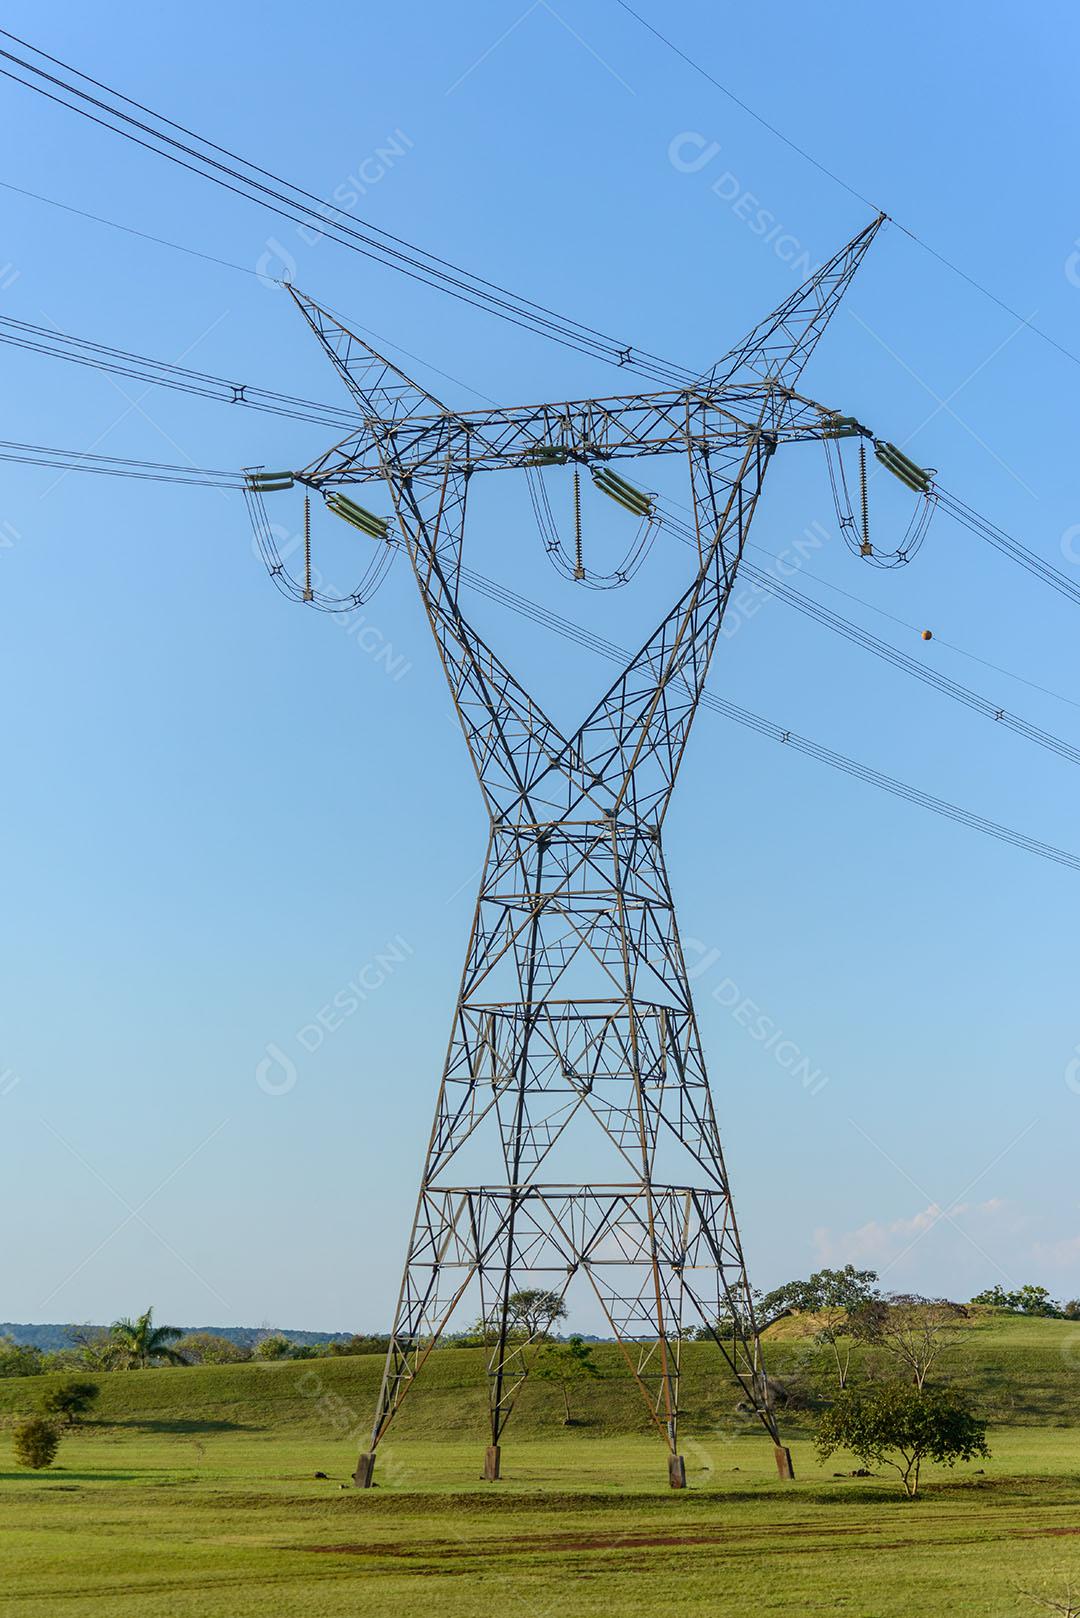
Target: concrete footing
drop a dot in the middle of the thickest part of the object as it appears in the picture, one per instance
(492, 1457)
(676, 1471)
(784, 1466)
(365, 1468)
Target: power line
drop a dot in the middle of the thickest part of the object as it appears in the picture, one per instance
(228, 264)
(209, 477)
(868, 642)
(202, 384)
(119, 362)
(129, 230)
(69, 460)
(488, 294)
(302, 207)
(621, 355)
(837, 179)
(767, 727)
(905, 623)
(1012, 548)
(475, 290)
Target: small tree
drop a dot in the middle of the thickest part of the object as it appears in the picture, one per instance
(535, 1310)
(829, 1299)
(70, 1401)
(569, 1364)
(893, 1424)
(911, 1329)
(139, 1343)
(36, 1442)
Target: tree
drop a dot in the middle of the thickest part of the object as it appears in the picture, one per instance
(1026, 1300)
(36, 1442)
(1032, 1300)
(97, 1349)
(275, 1346)
(70, 1401)
(894, 1424)
(208, 1348)
(733, 1319)
(830, 1300)
(535, 1310)
(912, 1329)
(569, 1364)
(360, 1343)
(139, 1343)
(19, 1359)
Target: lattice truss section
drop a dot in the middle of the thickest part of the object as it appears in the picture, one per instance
(660, 1261)
(574, 1030)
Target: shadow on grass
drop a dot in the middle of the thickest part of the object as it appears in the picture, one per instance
(186, 1426)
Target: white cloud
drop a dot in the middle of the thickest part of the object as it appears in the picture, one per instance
(882, 1244)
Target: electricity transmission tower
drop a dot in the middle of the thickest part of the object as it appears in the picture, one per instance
(574, 1131)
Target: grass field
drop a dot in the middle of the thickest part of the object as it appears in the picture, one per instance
(194, 1492)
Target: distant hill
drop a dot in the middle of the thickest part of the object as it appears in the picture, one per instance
(50, 1338)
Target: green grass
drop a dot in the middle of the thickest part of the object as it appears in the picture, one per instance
(194, 1493)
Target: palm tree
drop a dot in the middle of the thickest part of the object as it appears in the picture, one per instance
(141, 1343)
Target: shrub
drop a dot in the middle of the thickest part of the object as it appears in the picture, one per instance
(208, 1348)
(360, 1343)
(273, 1347)
(36, 1442)
(69, 1401)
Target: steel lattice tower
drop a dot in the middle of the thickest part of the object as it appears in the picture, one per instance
(575, 1006)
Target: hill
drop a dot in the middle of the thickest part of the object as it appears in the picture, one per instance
(1016, 1370)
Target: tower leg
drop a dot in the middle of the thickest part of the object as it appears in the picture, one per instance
(676, 1471)
(365, 1468)
(492, 1457)
(784, 1466)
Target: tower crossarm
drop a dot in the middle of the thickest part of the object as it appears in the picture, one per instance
(702, 421)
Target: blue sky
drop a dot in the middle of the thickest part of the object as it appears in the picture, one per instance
(221, 810)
